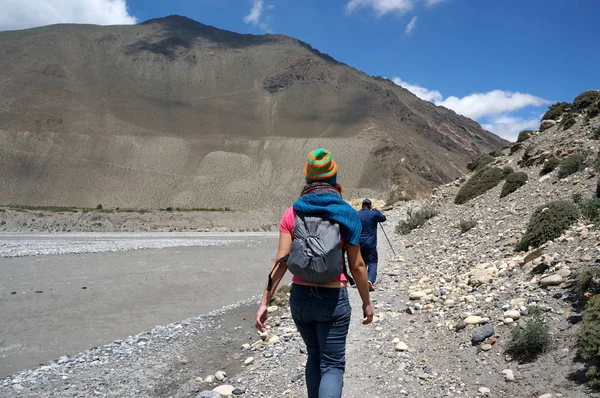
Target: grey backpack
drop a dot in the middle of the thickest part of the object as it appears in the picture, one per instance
(316, 255)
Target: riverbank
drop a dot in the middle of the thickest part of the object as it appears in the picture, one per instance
(85, 220)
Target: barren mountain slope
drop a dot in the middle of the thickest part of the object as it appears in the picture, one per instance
(172, 112)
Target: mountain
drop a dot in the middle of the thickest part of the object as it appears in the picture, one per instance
(171, 112)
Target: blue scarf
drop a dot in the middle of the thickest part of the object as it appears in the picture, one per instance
(328, 204)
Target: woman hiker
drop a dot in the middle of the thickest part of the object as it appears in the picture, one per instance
(321, 312)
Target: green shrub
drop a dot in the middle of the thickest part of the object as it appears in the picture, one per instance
(588, 280)
(507, 171)
(496, 153)
(589, 340)
(555, 111)
(479, 183)
(480, 162)
(513, 182)
(515, 148)
(524, 135)
(568, 122)
(280, 297)
(586, 99)
(98, 207)
(590, 209)
(466, 225)
(548, 222)
(414, 220)
(596, 134)
(593, 112)
(577, 198)
(570, 165)
(598, 188)
(549, 165)
(169, 208)
(533, 339)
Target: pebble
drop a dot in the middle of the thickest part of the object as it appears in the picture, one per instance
(485, 347)
(484, 390)
(416, 295)
(551, 280)
(210, 379)
(208, 394)
(482, 332)
(472, 320)
(401, 346)
(249, 361)
(508, 321)
(220, 375)
(508, 375)
(224, 390)
(515, 315)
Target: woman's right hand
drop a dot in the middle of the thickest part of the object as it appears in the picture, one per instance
(261, 317)
(367, 313)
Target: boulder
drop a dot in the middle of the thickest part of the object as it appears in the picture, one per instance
(546, 124)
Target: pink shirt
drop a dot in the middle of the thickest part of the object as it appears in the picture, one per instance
(286, 225)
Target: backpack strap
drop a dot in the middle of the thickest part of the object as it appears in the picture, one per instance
(344, 270)
(270, 282)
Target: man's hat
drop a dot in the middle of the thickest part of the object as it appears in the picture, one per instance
(366, 202)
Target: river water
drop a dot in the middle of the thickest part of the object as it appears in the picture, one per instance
(64, 293)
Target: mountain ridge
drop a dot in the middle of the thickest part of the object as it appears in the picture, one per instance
(173, 112)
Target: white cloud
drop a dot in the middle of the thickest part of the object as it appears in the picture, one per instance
(255, 17)
(508, 127)
(411, 26)
(22, 14)
(382, 7)
(255, 13)
(421, 92)
(493, 102)
(430, 3)
(493, 107)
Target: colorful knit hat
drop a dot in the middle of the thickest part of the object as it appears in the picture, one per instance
(320, 166)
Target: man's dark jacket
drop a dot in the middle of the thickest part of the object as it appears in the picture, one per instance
(368, 237)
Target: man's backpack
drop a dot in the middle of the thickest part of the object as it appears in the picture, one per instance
(316, 255)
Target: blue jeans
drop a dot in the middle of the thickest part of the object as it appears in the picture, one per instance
(322, 316)
(370, 257)
(372, 272)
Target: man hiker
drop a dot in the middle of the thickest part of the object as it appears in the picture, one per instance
(369, 218)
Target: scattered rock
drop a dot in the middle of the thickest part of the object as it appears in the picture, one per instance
(220, 375)
(224, 390)
(514, 315)
(482, 332)
(249, 361)
(401, 346)
(208, 394)
(551, 280)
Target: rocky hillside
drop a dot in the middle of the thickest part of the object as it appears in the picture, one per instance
(172, 112)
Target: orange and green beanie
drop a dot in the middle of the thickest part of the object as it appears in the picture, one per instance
(320, 166)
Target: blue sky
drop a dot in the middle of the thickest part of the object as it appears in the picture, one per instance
(499, 62)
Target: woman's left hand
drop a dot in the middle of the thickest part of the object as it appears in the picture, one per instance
(261, 317)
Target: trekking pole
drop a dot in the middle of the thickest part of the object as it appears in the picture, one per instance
(388, 239)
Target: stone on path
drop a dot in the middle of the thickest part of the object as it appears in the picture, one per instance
(473, 320)
(551, 280)
(210, 379)
(208, 394)
(416, 295)
(482, 332)
(401, 346)
(249, 361)
(508, 375)
(484, 390)
(514, 314)
(220, 375)
(224, 390)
